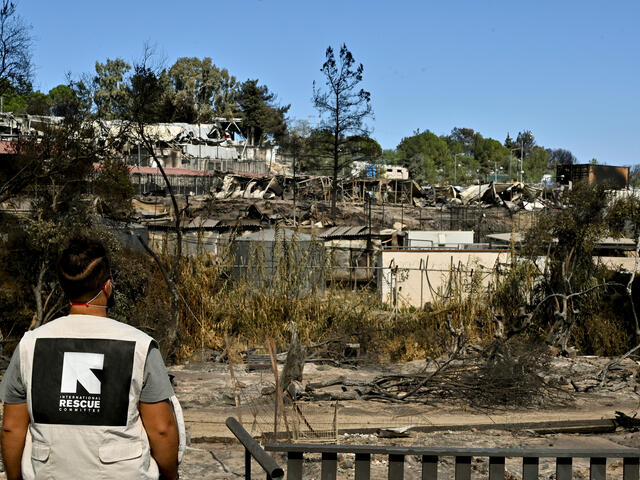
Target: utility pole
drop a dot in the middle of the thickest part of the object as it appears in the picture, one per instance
(294, 189)
(521, 158)
(455, 165)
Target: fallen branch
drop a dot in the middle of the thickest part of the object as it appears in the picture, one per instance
(602, 376)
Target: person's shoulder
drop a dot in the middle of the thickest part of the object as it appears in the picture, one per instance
(130, 329)
(43, 329)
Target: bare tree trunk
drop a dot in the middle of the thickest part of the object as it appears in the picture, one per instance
(336, 152)
(37, 293)
(171, 275)
(334, 188)
(294, 364)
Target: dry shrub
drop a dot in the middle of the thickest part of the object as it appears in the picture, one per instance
(513, 374)
(466, 305)
(602, 333)
(405, 336)
(254, 307)
(215, 303)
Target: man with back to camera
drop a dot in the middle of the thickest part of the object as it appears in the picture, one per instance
(85, 395)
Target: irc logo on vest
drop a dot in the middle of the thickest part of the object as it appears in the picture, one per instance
(77, 368)
(82, 381)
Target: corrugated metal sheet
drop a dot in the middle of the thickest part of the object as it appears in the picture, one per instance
(343, 232)
(199, 223)
(169, 171)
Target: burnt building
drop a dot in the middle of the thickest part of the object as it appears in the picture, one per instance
(613, 176)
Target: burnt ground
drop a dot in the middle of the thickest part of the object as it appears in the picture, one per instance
(208, 397)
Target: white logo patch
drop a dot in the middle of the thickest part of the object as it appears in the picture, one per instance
(76, 367)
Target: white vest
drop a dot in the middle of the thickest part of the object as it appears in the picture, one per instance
(83, 376)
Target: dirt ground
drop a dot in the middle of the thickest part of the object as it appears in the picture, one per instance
(208, 397)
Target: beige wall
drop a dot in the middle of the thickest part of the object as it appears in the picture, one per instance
(413, 278)
(625, 264)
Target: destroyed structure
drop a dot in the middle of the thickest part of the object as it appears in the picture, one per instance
(610, 175)
(390, 230)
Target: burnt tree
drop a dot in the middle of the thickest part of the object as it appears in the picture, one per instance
(344, 107)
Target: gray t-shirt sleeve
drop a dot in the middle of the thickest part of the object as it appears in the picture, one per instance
(156, 385)
(12, 389)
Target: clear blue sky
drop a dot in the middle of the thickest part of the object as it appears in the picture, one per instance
(567, 70)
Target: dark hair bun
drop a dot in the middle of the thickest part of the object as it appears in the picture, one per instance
(83, 268)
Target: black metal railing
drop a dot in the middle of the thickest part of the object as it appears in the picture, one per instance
(431, 455)
(253, 449)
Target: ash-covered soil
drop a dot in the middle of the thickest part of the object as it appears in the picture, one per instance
(209, 396)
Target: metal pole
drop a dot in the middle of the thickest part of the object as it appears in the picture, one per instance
(294, 187)
(521, 158)
(369, 196)
(247, 464)
(510, 158)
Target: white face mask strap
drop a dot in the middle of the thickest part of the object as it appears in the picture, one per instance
(88, 304)
(97, 295)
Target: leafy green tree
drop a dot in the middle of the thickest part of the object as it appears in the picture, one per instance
(510, 143)
(55, 172)
(63, 100)
(14, 102)
(150, 99)
(364, 148)
(344, 107)
(202, 90)
(426, 156)
(109, 89)
(391, 156)
(490, 154)
(38, 103)
(466, 138)
(262, 117)
(526, 140)
(573, 296)
(536, 164)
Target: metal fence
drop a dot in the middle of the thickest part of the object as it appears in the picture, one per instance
(429, 459)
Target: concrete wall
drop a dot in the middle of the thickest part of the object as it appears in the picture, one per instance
(438, 238)
(619, 264)
(411, 278)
